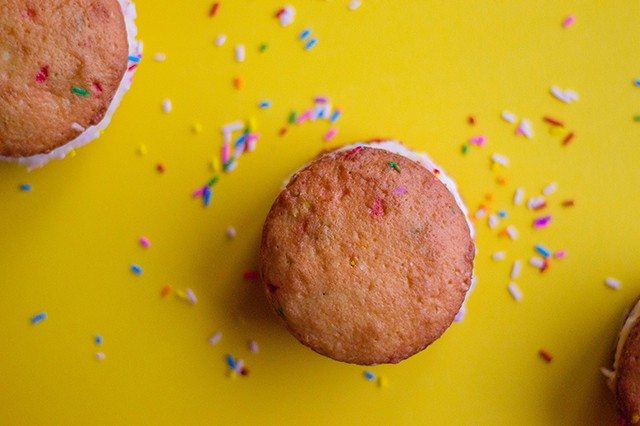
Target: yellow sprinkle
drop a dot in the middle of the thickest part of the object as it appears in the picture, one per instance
(142, 149)
(253, 124)
(556, 131)
(196, 128)
(72, 153)
(495, 166)
(231, 374)
(352, 262)
(181, 294)
(215, 165)
(383, 382)
(635, 418)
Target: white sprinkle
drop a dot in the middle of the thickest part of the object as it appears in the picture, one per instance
(354, 4)
(239, 365)
(232, 127)
(536, 261)
(231, 232)
(191, 296)
(515, 292)
(525, 128)
(78, 128)
(607, 373)
(498, 256)
(536, 202)
(253, 346)
(512, 232)
(518, 196)
(221, 39)
(100, 356)
(240, 53)
(613, 283)
(480, 213)
(159, 57)
(550, 189)
(567, 96)
(516, 268)
(509, 117)
(493, 221)
(500, 159)
(167, 106)
(287, 16)
(215, 338)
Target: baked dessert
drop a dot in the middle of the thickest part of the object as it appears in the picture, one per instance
(64, 67)
(624, 377)
(367, 253)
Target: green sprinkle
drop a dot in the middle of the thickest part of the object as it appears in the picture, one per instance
(465, 148)
(213, 181)
(80, 91)
(394, 166)
(636, 117)
(293, 117)
(263, 47)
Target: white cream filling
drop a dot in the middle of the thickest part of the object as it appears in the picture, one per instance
(631, 320)
(426, 161)
(93, 132)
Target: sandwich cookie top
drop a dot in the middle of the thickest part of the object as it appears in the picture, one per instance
(366, 256)
(625, 379)
(61, 63)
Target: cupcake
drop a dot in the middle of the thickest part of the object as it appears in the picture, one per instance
(624, 377)
(64, 67)
(367, 253)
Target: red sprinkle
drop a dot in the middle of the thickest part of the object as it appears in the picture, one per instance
(568, 203)
(160, 168)
(553, 121)
(132, 67)
(472, 120)
(283, 131)
(214, 9)
(43, 74)
(377, 209)
(166, 290)
(250, 275)
(567, 139)
(436, 171)
(540, 206)
(280, 12)
(97, 86)
(545, 355)
(353, 152)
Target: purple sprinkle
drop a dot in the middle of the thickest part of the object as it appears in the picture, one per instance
(206, 196)
(400, 190)
(542, 222)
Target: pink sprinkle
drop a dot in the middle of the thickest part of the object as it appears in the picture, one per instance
(479, 140)
(568, 21)
(132, 67)
(251, 141)
(145, 242)
(226, 152)
(250, 275)
(400, 190)
(560, 254)
(43, 74)
(330, 134)
(199, 192)
(305, 116)
(377, 209)
(542, 222)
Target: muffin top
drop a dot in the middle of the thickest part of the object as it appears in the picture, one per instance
(61, 62)
(366, 256)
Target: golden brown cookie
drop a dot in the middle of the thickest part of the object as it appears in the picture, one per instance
(61, 62)
(366, 256)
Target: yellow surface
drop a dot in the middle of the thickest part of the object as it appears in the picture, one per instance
(414, 70)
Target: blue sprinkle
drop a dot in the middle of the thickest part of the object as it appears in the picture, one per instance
(39, 317)
(542, 250)
(335, 116)
(206, 196)
(231, 362)
(369, 375)
(136, 269)
(25, 187)
(637, 82)
(312, 42)
(502, 214)
(305, 33)
(98, 340)
(134, 59)
(266, 103)
(241, 139)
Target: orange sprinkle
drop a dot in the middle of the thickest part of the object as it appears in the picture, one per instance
(568, 203)
(567, 139)
(237, 82)
(488, 196)
(283, 131)
(545, 355)
(502, 180)
(166, 290)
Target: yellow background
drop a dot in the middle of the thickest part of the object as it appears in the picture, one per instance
(413, 70)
